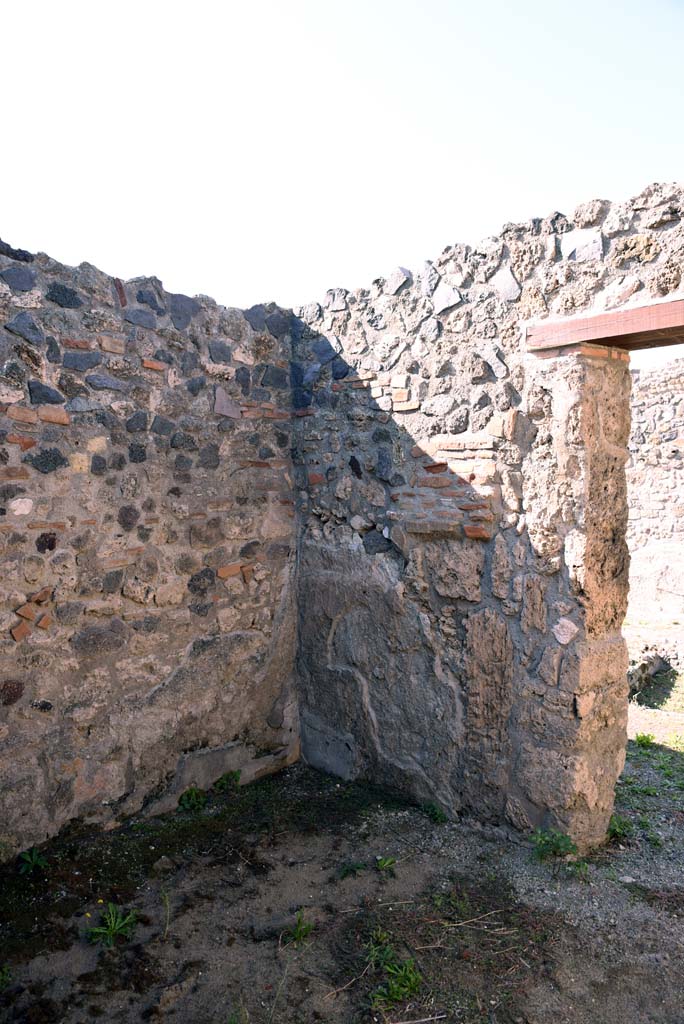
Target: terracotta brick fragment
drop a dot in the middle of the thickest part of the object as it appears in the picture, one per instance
(80, 343)
(226, 571)
(436, 467)
(21, 631)
(54, 414)
(27, 611)
(24, 442)
(316, 478)
(43, 524)
(247, 572)
(13, 473)
(20, 414)
(45, 622)
(477, 532)
(41, 596)
(406, 406)
(112, 345)
(155, 364)
(434, 481)
(400, 394)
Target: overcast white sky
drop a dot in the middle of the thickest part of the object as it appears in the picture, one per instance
(270, 149)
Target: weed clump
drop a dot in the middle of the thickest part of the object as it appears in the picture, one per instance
(401, 978)
(227, 782)
(386, 865)
(115, 925)
(193, 799)
(435, 813)
(619, 828)
(301, 930)
(30, 861)
(551, 844)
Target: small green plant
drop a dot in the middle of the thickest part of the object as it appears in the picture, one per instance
(579, 869)
(402, 981)
(379, 950)
(648, 830)
(453, 901)
(386, 865)
(115, 925)
(401, 977)
(664, 765)
(551, 844)
(30, 861)
(193, 799)
(435, 814)
(5, 977)
(351, 868)
(644, 740)
(301, 931)
(227, 782)
(619, 828)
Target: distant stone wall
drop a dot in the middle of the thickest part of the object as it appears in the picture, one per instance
(655, 532)
(384, 498)
(147, 619)
(655, 471)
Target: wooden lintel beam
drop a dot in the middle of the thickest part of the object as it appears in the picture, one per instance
(641, 327)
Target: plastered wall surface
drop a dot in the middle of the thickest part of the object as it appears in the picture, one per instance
(377, 519)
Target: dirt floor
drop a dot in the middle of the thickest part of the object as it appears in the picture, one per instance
(301, 899)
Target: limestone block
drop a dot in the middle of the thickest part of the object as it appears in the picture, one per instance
(505, 284)
(581, 245)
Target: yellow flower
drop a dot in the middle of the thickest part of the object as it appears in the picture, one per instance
(100, 901)
(87, 914)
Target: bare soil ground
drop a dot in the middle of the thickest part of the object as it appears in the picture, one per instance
(270, 905)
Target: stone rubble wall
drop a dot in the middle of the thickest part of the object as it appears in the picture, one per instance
(462, 564)
(383, 498)
(655, 532)
(147, 618)
(655, 471)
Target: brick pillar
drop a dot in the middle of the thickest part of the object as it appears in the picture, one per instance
(571, 731)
